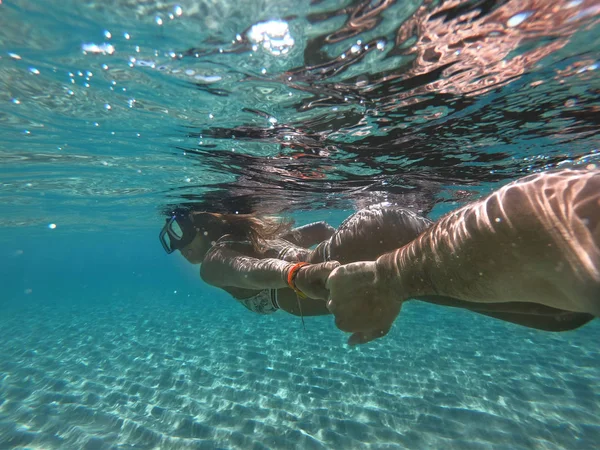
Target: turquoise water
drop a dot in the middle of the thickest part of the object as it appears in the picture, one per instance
(113, 112)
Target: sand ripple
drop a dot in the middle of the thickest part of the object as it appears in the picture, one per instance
(179, 376)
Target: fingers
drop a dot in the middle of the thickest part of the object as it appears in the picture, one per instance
(330, 277)
(312, 279)
(332, 265)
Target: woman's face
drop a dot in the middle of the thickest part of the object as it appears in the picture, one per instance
(196, 250)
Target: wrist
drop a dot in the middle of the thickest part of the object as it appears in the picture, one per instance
(285, 272)
(291, 275)
(404, 273)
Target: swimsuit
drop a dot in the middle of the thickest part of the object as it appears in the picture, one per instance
(265, 302)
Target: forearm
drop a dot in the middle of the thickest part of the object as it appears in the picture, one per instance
(535, 240)
(261, 274)
(245, 272)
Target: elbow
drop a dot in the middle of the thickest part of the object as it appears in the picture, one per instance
(328, 230)
(325, 231)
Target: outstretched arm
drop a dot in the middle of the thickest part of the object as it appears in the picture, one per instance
(535, 240)
(224, 267)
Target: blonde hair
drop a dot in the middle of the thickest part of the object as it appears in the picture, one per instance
(248, 227)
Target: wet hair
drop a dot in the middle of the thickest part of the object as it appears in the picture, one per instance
(248, 227)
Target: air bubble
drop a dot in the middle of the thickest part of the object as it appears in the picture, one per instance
(518, 19)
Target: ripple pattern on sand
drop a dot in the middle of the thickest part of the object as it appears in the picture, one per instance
(148, 373)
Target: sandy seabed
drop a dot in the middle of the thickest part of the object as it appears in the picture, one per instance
(150, 373)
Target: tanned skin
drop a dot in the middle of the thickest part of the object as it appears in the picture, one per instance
(459, 253)
(535, 241)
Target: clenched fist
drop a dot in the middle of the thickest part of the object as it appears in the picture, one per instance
(361, 302)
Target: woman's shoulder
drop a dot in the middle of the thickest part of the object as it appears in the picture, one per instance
(270, 249)
(229, 242)
(232, 242)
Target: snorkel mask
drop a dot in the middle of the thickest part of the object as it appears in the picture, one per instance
(178, 232)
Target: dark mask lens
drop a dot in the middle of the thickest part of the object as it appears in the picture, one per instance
(175, 230)
(165, 236)
(177, 233)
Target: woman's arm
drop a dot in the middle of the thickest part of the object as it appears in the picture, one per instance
(309, 235)
(224, 267)
(535, 240)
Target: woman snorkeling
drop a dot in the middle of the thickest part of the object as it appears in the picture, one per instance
(242, 255)
(266, 265)
(262, 261)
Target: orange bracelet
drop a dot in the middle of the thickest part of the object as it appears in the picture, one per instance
(291, 278)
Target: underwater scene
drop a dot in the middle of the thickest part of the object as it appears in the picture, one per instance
(122, 119)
